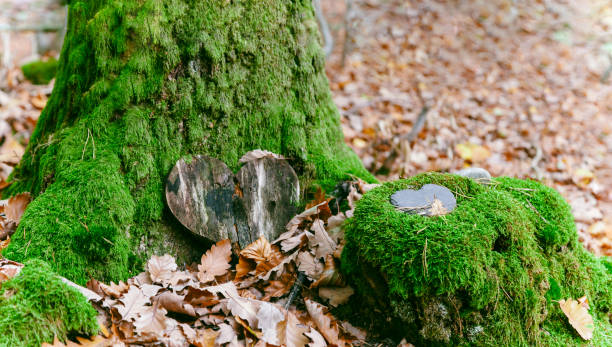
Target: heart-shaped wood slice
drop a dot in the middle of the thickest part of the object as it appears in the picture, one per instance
(430, 200)
(200, 193)
(271, 192)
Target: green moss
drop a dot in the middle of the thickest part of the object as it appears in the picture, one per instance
(40, 72)
(487, 273)
(36, 306)
(141, 84)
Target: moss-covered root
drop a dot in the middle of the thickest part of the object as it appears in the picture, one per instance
(36, 306)
(488, 273)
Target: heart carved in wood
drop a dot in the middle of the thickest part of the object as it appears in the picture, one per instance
(212, 202)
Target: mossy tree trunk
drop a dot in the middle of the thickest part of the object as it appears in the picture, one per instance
(141, 84)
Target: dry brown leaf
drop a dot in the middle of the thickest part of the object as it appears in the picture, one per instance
(215, 262)
(295, 222)
(132, 303)
(205, 338)
(309, 265)
(330, 276)
(472, 152)
(276, 289)
(244, 267)
(336, 295)
(226, 334)
(263, 254)
(257, 251)
(15, 206)
(161, 268)
(258, 154)
(39, 101)
(173, 302)
(317, 339)
(320, 241)
(293, 332)
(405, 343)
(9, 269)
(268, 318)
(151, 319)
(578, 317)
(352, 330)
(324, 322)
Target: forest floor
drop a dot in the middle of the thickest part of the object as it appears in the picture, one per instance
(520, 88)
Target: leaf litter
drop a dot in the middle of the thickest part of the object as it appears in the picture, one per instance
(224, 302)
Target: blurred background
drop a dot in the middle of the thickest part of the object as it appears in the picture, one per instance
(520, 88)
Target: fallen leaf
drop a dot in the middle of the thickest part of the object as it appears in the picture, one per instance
(258, 154)
(326, 325)
(472, 152)
(336, 295)
(578, 317)
(294, 332)
(205, 338)
(317, 339)
(15, 206)
(152, 319)
(268, 318)
(321, 242)
(161, 268)
(133, 303)
(215, 262)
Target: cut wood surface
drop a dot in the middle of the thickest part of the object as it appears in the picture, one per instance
(209, 200)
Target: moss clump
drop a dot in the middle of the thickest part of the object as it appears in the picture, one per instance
(36, 306)
(40, 72)
(141, 84)
(486, 274)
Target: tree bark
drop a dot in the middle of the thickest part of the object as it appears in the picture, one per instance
(141, 84)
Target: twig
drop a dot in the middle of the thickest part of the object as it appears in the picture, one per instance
(425, 259)
(85, 146)
(536, 211)
(295, 290)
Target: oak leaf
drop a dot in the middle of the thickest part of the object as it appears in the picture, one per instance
(161, 268)
(215, 262)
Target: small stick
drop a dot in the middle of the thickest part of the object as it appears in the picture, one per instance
(295, 290)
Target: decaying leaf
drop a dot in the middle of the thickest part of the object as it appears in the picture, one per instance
(336, 295)
(578, 317)
(325, 324)
(161, 268)
(294, 332)
(133, 303)
(15, 206)
(258, 154)
(215, 262)
(472, 152)
(268, 318)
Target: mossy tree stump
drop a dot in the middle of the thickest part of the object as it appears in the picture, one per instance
(488, 273)
(141, 84)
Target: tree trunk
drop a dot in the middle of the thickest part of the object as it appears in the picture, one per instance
(141, 84)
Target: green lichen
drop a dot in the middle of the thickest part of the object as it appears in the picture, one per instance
(40, 72)
(141, 84)
(486, 274)
(37, 306)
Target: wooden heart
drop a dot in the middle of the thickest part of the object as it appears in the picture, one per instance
(206, 197)
(421, 201)
(200, 193)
